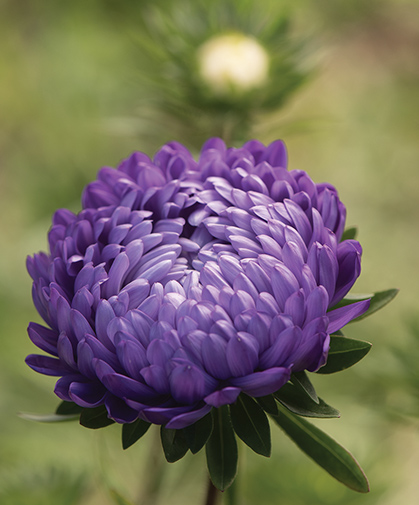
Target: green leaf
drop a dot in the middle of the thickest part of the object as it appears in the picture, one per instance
(48, 418)
(197, 434)
(251, 424)
(173, 443)
(221, 450)
(268, 404)
(325, 451)
(301, 380)
(378, 301)
(296, 400)
(349, 233)
(133, 431)
(343, 353)
(68, 408)
(96, 417)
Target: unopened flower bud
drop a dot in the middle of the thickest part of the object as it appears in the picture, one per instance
(233, 63)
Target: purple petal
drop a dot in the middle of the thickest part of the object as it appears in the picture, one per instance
(317, 302)
(87, 394)
(66, 350)
(80, 325)
(311, 352)
(225, 396)
(125, 387)
(242, 354)
(283, 344)
(137, 291)
(339, 317)
(188, 384)
(46, 365)
(62, 386)
(240, 302)
(263, 383)
(44, 338)
(132, 357)
(327, 269)
(349, 259)
(156, 377)
(116, 275)
(284, 283)
(276, 154)
(214, 359)
(104, 315)
(182, 420)
(119, 410)
(295, 307)
(161, 415)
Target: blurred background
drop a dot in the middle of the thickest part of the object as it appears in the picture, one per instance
(83, 84)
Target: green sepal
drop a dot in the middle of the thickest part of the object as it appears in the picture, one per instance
(296, 400)
(343, 353)
(378, 301)
(268, 404)
(251, 424)
(96, 417)
(301, 380)
(68, 408)
(197, 434)
(349, 234)
(66, 411)
(325, 451)
(173, 443)
(49, 418)
(131, 432)
(221, 450)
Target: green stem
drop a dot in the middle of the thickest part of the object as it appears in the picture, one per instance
(156, 470)
(212, 494)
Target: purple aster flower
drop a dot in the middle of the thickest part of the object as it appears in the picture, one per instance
(182, 284)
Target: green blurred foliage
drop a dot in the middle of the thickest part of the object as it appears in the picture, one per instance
(50, 488)
(73, 97)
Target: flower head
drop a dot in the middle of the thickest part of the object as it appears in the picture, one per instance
(183, 283)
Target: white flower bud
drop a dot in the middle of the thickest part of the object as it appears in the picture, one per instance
(233, 63)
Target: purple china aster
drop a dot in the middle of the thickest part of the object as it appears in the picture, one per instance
(183, 283)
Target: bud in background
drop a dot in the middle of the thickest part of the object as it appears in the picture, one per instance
(214, 69)
(233, 63)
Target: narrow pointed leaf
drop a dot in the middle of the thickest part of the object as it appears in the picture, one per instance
(378, 301)
(296, 400)
(68, 408)
(251, 424)
(96, 417)
(343, 353)
(133, 431)
(325, 451)
(48, 418)
(268, 404)
(221, 450)
(173, 443)
(197, 434)
(300, 379)
(349, 234)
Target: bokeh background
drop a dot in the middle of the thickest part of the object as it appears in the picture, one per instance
(78, 91)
